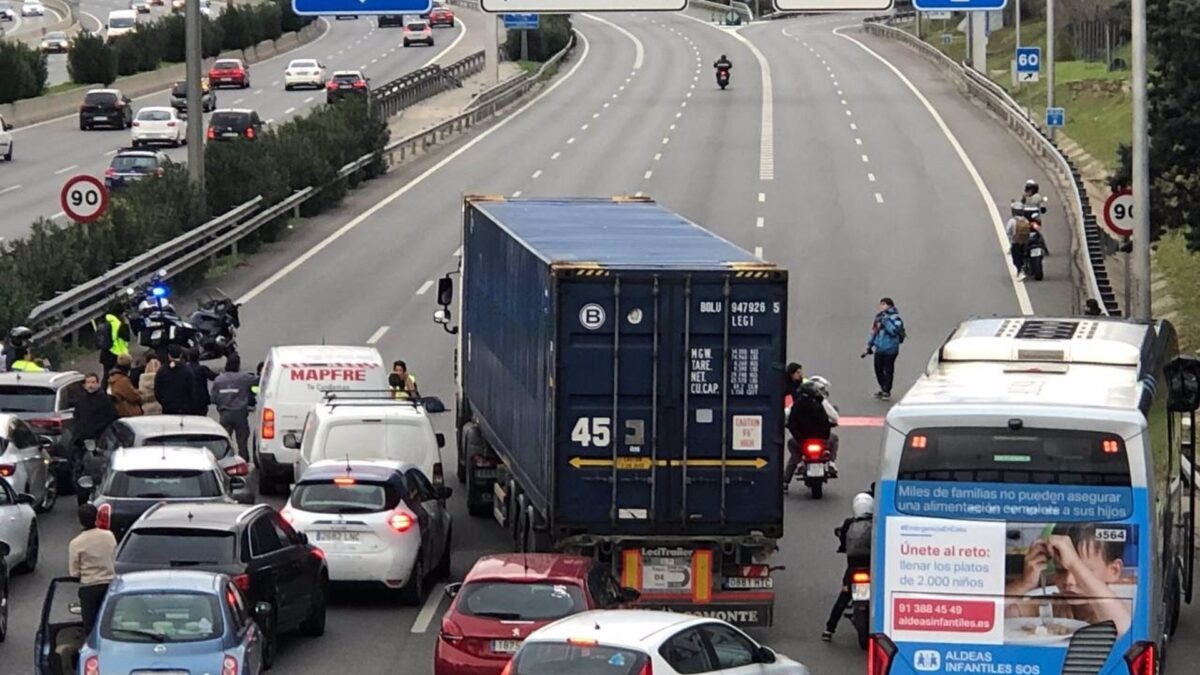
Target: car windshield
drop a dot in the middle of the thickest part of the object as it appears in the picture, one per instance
(219, 446)
(121, 22)
(134, 163)
(227, 65)
(154, 115)
(176, 547)
(416, 27)
(554, 658)
(230, 119)
(22, 398)
(358, 497)
(374, 440)
(100, 98)
(511, 601)
(162, 484)
(302, 64)
(161, 617)
(56, 36)
(346, 77)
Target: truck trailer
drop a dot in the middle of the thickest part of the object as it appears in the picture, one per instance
(620, 395)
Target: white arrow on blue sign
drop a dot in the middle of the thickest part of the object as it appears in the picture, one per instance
(521, 21)
(1029, 59)
(959, 5)
(1056, 117)
(348, 7)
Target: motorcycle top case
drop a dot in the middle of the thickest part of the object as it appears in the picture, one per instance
(627, 364)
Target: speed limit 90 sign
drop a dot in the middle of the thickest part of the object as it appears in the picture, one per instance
(84, 198)
(1118, 214)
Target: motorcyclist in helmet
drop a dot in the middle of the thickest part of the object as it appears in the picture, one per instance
(854, 539)
(17, 346)
(1031, 197)
(723, 63)
(809, 419)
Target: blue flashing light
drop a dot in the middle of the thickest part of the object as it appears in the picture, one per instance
(159, 291)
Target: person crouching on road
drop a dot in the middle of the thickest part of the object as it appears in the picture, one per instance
(91, 556)
(233, 396)
(402, 382)
(125, 396)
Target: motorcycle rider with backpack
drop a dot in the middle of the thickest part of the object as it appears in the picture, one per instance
(808, 420)
(854, 539)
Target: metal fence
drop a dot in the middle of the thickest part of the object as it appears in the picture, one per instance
(414, 87)
(1090, 263)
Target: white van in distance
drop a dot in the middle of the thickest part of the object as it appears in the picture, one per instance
(120, 22)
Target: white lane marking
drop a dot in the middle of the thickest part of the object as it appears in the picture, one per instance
(271, 121)
(583, 128)
(238, 101)
(836, 84)
(10, 188)
(110, 153)
(628, 80)
(451, 46)
(516, 194)
(666, 140)
(871, 177)
(374, 61)
(289, 111)
(378, 334)
(595, 115)
(555, 155)
(570, 140)
(689, 94)
(672, 127)
(275, 83)
(657, 156)
(683, 105)
(866, 159)
(679, 114)
(536, 173)
(853, 126)
(839, 92)
(65, 169)
(849, 114)
(309, 99)
(621, 88)
(760, 222)
(457, 252)
(424, 287)
(762, 197)
(878, 197)
(844, 102)
(646, 176)
(637, 44)
(757, 251)
(257, 92)
(425, 616)
(693, 86)
(1001, 238)
(606, 104)
(858, 141)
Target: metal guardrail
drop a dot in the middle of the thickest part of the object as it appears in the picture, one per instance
(1086, 229)
(414, 87)
(743, 9)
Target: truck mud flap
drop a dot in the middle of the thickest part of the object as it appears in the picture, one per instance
(743, 615)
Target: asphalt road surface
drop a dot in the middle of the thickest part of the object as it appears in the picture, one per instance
(856, 187)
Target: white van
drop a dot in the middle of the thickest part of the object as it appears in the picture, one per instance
(120, 22)
(370, 426)
(294, 379)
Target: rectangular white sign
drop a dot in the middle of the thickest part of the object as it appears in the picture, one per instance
(832, 5)
(567, 6)
(747, 432)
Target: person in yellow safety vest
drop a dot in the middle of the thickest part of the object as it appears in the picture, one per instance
(27, 364)
(402, 382)
(112, 339)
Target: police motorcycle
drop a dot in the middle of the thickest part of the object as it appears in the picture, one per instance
(217, 319)
(211, 330)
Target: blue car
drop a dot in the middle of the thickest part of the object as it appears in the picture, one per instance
(167, 621)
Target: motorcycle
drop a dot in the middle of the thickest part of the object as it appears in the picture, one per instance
(211, 329)
(814, 466)
(722, 77)
(88, 471)
(1035, 253)
(216, 321)
(860, 603)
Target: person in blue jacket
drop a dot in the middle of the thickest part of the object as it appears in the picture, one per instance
(887, 333)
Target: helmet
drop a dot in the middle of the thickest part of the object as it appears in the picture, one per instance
(20, 336)
(1017, 209)
(1031, 184)
(811, 388)
(821, 384)
(863, 505)
(724, 58)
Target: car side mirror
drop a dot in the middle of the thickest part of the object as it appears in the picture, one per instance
(433, 404)
(445, 291)
(26, 498)
(4, 550)
(8, 126)
(443, 492)
(628, 595)
(441, 439)
(303, 537)
(86, 482)
(291, 441)
(764, 655)
(441, 316)
(262, 610)
(453, 589)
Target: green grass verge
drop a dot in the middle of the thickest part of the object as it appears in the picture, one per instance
(1182, 273)
(530, 67)
(63, 86)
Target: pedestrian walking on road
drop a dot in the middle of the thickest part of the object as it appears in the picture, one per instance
(91, 557)
(173, 385)
(231, 393)
(887, 334)
(126, 397)
(1092, 308)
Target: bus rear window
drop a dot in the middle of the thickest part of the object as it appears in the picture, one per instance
(990, 455)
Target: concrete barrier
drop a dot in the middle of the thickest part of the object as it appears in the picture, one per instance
(33, 110)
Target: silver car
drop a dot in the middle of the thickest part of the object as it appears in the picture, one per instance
(25, 462)
(193, 431)
(18, 529)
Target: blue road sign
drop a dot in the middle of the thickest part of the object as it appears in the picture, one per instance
(521, 21)
(959, 5)
(1029, 59)
(1056, 117)
(348, 7)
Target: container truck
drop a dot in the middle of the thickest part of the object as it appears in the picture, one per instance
(620, 380)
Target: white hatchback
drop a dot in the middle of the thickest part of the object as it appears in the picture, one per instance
(375, 521)
(630, 642)
(158, 124)
(33, 8)
(304, 73)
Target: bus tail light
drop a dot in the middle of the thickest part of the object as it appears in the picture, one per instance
(880, 652)
(1142, 658)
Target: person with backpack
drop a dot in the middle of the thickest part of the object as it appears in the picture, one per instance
(887, 334)
(854, 539)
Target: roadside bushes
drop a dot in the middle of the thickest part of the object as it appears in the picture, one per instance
(551, 36)
(24, 70)
(91, 60)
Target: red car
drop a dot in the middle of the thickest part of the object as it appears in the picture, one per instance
(506, 597)
(440, 16)
(229, 73)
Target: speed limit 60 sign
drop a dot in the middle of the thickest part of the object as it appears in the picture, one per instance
(84, 198)
(1118, 214)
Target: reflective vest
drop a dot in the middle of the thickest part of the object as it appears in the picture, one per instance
(402, 392)
(25, 366)
(119, 346)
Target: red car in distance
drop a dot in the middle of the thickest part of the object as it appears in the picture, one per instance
(506, 597)
(441, 16)
(229, 72)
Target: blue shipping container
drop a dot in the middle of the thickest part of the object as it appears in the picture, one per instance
(627, 364)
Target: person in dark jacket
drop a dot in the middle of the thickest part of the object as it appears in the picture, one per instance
(807, 421)
(94, 410)
(173, 386)
(793, 380)
(231, 393)
(201, 376)
(854, 539)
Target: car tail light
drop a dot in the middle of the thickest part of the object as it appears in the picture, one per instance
(110, 172)
(508, 667)
(360, 85)
(343, 481)
(860, 578)
(451, 633)
(647, 669)
(104, 517)
(401, 521)
(331, 86)
(1142, 659)
(54, 424)
(250, 133)
(137, 123)
(880, 652)
(583, 642)
(814, 449)
(229, 666)
(212, 133)
(268, 417)
(242, 581)
(239, 469)
(170, 124)
(7, 470)
(92, 666)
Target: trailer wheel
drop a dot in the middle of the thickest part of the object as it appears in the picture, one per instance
(473, 445)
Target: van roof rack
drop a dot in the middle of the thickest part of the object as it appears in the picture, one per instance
(368, 397)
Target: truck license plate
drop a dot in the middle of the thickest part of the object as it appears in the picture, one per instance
(747, 583)
(816, 471)
(860, 592)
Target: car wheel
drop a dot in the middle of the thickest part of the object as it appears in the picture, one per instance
(32, 546)
(8, 155)
(413, 592)
(442, 571)
(270, 642)
(287, 87)
(82, 126)
(3, 611)
(50, 496)
(314, 625)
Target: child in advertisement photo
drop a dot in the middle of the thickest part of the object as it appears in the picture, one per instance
(1082, 567)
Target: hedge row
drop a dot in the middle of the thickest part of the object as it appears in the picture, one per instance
(94, 61)
(551, 36)
(305, 151)
(22, 71)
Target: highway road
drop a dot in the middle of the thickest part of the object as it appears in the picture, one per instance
(48, 153)
(853, 184)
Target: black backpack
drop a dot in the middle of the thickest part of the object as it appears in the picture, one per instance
(103, 335)
(858, 538)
